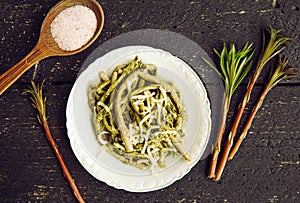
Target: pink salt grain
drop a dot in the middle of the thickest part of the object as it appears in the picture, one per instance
(73, 27)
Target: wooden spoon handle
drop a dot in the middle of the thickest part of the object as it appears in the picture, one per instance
(10, 76)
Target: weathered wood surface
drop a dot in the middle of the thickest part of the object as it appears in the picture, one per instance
(266, 168)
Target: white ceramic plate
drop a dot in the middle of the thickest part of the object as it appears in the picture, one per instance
(103, 166)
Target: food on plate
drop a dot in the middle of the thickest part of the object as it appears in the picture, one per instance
(138, 117)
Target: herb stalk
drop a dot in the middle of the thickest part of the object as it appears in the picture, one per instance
(235, 65)
(273, 48)
(280, 73)
(39, 102)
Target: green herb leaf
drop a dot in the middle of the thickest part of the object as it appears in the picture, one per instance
(234, 65)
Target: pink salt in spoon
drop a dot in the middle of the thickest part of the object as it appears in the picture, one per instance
(46, 45)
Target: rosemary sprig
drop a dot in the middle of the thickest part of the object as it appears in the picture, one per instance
(281, 72)
(39, 102)
(274, 47)
(234, 64)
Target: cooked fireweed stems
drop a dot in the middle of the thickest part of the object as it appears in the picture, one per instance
(39, 102)
(274, 47)
(139, 118)
(234, 64)
(280, 73)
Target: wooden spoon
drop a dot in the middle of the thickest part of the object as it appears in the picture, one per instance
(46, 46)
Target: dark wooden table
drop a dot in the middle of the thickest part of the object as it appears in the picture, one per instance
(266, 168)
